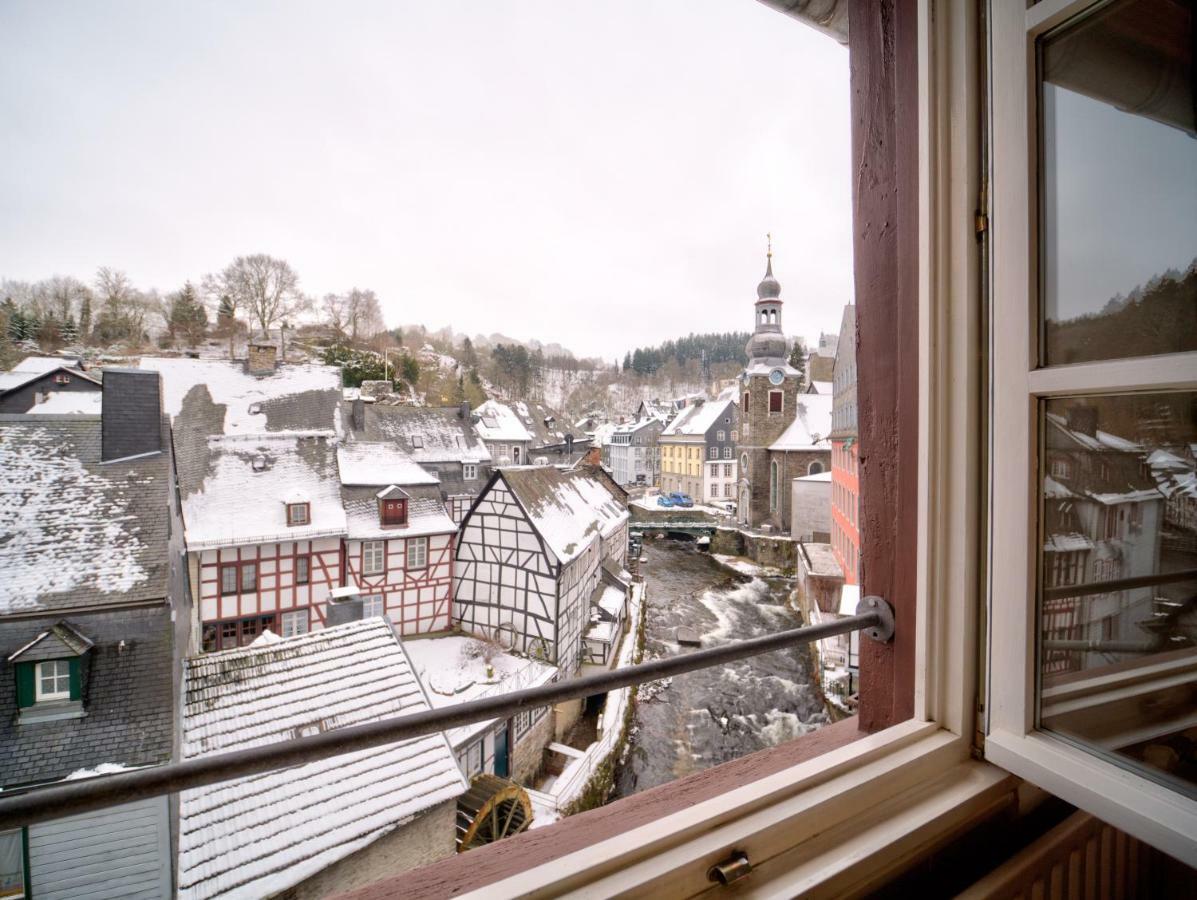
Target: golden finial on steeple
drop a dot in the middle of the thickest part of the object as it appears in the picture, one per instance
(769, 243)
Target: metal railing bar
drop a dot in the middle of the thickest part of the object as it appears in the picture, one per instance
(1118, 584)
(41, 804)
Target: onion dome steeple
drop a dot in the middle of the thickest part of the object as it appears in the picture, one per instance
(768, 343)
(769, 288)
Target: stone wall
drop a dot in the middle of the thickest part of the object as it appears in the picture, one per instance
(429, 837)
(564, 716)
(262, 356)
(790, 464)
(767, 550)
(528, 758)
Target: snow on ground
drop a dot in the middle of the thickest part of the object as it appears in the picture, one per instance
(748, 567)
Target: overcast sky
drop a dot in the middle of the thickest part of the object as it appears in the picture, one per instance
(597, 174)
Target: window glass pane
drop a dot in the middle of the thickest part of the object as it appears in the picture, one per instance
(1119, 184)
(12, 861)
(249, 576)
(1118, 570)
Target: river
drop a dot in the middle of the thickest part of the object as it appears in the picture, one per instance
(694, 721)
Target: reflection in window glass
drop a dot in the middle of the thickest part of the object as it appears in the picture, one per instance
(1118, 599)
(1119, 184)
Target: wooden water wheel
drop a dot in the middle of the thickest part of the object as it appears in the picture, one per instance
(492, 809)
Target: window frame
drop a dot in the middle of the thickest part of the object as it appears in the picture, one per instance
(370, 549)
(414, 542)
(40, 696)
(293, 615)
(306, 560)
(299, 514)
(1117, 795)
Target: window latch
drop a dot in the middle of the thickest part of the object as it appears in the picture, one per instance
(731, 869)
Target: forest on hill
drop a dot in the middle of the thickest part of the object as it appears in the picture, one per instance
(705, 349)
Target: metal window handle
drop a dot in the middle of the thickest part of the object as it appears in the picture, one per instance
(883, 631)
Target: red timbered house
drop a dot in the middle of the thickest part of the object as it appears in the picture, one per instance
(400, 541)
(265, 538)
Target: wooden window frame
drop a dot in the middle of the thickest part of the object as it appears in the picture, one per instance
(1119, 796)
(422, 542)
(54, 696)
(299, 514)
(368, 553)
(395, 521)
(469, 471)
(236, 588)
(780, 397)
(293, 613)
(304, 561)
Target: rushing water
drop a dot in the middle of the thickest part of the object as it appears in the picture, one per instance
(700, 719)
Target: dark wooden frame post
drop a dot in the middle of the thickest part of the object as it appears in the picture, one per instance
(883, 56)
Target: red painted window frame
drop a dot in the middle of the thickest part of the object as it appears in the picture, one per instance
(398, 519)
(779, 397)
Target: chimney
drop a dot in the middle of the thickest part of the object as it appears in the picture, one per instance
(1083, 418)
(359, 414)
(464, 411)
(569, 444)
(263, 356)
(344, 605)
(131, 415)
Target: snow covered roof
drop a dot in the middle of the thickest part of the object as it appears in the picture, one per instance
(427, 434)
(69, 403)
(498, 422)
(567, 508)
(761, 367)
(259, 835)
(425, 515)
(811, 425)
(820, 559)
(41, 366)
(239, 498)
(1102, 440)
(452, 673)
(609, 599)
(1053, 490)
(221, 397)
(697, 418)
(824, 476)
(76, 533)
(1063, 543)
(379, 463)
(821, 387)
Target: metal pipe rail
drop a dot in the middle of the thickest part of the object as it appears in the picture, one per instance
(41, 804)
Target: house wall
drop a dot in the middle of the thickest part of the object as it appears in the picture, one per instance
(845, 507)
(505, 576)
(417, 600)
(810, 509)
(276, 591)
(428, 837)
(760, 428)
(24, 398)
(529, 751)
(579, 578)
(790, 465)
(720, 481)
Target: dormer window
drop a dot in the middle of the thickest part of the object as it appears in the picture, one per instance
(299, 513)
(52, 680)
(49, 675)
(392, 507)
(394, 512)
(469, 471)
(417, 442)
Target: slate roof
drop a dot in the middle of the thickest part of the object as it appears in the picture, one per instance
(31, 368)
(427, 434)
(381, 463)
(496, 421)
(74, 533)
(126, 693)
(566, 508)
(811, 426)
(425, 514)
(695, 420)
(256, 836)
(233, 503)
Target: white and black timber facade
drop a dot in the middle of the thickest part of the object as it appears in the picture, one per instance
(530, 555)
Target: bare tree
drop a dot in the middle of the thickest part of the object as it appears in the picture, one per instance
(335, 308)
(366, 320)
(265, 288)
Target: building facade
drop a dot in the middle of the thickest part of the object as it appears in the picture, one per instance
(845, 453)
(635, 454)
(698, 452)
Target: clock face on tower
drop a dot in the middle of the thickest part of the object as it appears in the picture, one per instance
(777, 376)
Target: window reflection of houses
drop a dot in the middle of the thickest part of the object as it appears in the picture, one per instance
(1103, 515)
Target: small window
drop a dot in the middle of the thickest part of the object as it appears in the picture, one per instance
(228, 634)
(394, 512)
(303, 569)
(228, 580)
(814, 468)
(295, 622)
(62, 378)
(52, 681)
(775, 401)
(249, 578)
(417, 553)
(713, 453)
(727, 452)
(12, 864)
(211, 641)
(721, 435)
(472, 759)
(298, 513)
(459, 506)
(373, 605)
(469, 471)
(417, 442)
(249, 631)
(373, 557)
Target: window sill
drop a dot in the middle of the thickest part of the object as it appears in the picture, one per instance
(53, 711)
(1146, 810)
(914, 784)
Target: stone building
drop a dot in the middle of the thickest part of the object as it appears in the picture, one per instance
(698, 451)
(783, 431)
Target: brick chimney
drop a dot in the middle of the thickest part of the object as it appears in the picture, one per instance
(1083, 418)
(131, 415)
(263, 357)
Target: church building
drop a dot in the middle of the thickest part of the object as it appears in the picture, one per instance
(784, 432)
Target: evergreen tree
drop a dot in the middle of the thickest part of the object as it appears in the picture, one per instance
(69, 331)
(469, 356)
(15, 317)
(188, 319)
(85, 318)
(798, 358)
(410, 370)
(627, 361)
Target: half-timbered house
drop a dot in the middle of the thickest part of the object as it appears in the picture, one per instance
(440, 439)
(257, 473)
(399, 542)
(529, 557)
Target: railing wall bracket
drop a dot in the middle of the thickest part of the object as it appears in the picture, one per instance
(883, 631)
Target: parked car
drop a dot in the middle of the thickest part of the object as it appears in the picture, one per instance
(665, 500)
(680, 499)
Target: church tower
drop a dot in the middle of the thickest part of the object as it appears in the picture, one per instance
(768, 400)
